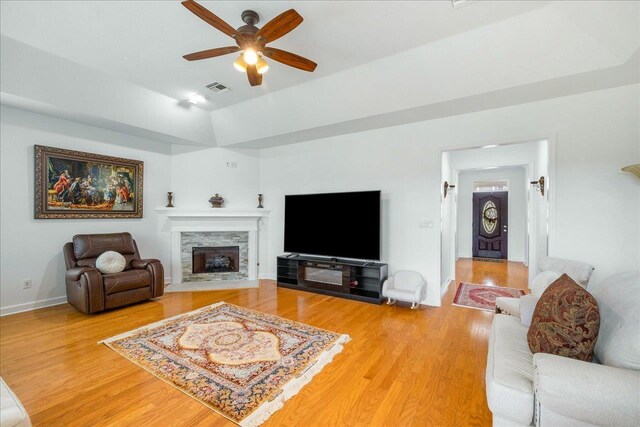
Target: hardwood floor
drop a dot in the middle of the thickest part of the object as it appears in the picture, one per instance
(403, 367)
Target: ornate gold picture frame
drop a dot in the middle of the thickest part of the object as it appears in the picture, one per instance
(75, 184)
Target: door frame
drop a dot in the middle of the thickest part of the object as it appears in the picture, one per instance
(531, 249)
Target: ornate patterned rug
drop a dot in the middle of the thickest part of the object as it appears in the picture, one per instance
(482, 297)
(243, 364)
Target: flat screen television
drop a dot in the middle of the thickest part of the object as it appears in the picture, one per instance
(343, 225)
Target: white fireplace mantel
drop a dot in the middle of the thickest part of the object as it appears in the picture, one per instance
(212, 219)
(212, 213)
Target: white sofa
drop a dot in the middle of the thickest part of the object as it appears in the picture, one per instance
(12, 413)
(524, 389)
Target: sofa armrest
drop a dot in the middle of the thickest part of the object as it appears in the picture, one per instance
(84, 289)
(589, 392)
(142, 263)
(154, 267)
(75, 273)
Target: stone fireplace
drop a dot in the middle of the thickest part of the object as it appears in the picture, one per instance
(214, 255)
(213, 245)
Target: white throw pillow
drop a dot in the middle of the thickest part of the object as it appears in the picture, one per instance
(111, 262)
(542, 282)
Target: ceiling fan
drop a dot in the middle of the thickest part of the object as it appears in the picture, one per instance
(252, 41)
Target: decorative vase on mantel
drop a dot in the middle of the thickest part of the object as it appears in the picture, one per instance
(216, 201)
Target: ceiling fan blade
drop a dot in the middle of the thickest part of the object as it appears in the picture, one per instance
(290, 59)
(255, 79)
(280, 25)
(211, 53)
(208, 17)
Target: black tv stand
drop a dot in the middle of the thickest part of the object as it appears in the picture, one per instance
(352, 279)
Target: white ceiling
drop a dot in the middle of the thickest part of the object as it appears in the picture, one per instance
(143, 41)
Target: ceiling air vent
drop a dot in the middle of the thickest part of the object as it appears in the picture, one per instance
(217, 87)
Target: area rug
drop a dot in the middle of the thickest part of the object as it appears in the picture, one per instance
(241, 363)
(482, 297)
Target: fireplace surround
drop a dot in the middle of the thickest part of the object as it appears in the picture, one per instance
(213, 228)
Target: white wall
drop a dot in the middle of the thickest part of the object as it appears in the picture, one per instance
(595, 134)
(517, 210)
(200, 173)
(363, 162)
(32, 249)
(197, 174)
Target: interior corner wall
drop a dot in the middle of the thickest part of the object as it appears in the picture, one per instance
(198, 173)
(447, 233)
(517, 210)
(541, 231)
(595, 134)
(32, 248)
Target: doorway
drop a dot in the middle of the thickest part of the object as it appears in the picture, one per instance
(507, 224)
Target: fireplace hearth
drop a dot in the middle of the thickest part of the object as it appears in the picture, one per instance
(219, 259)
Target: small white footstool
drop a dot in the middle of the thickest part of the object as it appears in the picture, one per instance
(12, 413)
(408, 286)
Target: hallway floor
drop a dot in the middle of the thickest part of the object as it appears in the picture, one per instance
(507, 273)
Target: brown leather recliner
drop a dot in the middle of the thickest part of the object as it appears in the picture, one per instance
(90, 291)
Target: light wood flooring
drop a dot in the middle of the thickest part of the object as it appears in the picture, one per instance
(402, 368)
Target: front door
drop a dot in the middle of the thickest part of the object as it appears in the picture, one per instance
(490, 224)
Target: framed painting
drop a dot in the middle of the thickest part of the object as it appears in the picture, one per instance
(75, 184)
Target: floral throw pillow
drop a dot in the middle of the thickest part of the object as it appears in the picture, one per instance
(565, 322)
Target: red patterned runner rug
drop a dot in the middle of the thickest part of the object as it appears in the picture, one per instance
(241, 363)
(482, 297)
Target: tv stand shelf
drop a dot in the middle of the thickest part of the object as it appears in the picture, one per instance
(357, 280)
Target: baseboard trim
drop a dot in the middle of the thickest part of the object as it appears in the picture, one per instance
(30, 306)
(267, 276)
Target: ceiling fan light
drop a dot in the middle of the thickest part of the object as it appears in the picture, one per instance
(240, 65)
(196, 99)
(262, 66)
(250, 56)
